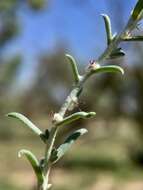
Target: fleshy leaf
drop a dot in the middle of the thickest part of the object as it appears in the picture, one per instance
(68, 143)
(76, 116)
(108, 69)
(137, 13)
(34, 163)
(108, 28)
(26, 121)
(133, 38)
(74, 67)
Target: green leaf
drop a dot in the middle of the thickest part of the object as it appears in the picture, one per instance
(133, 38)
(108, 69)
(108, 28)
(26, 121)
(68, 143)
(74, 68)
(34, 163)
(137, 13)
(76, 116)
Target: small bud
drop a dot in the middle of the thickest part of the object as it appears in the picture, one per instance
(93, 65)
(57, 118)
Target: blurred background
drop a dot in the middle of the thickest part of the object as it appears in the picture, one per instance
(35, 79)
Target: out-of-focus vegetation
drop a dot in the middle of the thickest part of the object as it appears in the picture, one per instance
(111, 155)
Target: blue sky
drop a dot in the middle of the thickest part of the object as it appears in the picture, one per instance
(76, 24)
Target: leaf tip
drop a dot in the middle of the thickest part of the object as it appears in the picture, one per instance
(9, 114)
(12, 114)
(68, 56)
(121, 70)
(20, 153)
(104, 15)
(90, 114)
(83, 131)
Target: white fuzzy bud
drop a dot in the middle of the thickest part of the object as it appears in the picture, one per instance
(93, 65)
(57, 118)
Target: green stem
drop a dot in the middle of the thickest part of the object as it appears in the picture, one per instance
(48, 151)
(45, 185)
(49, 146)
(70, 99)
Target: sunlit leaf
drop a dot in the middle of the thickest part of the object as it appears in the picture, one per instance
(108, 69)
(108, 28)
(26, 121)
(74, 67)
(133, 38)
(76, 116)
(68, 143)
(137, 13)
(34, 163)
